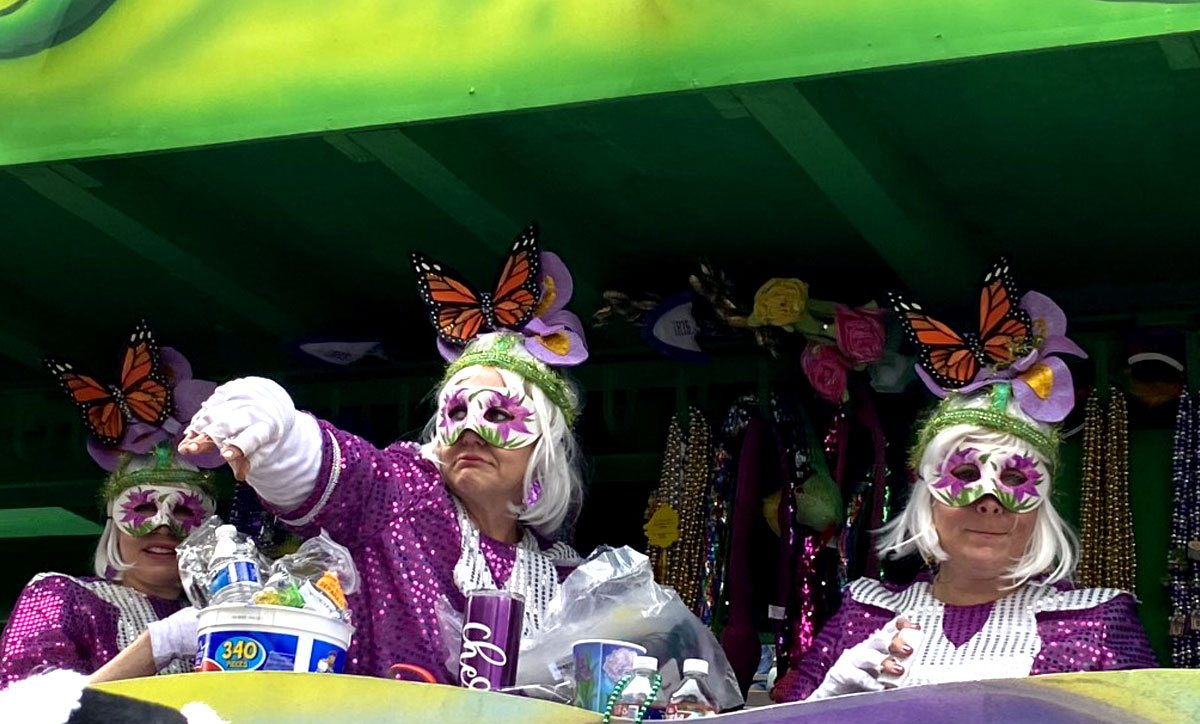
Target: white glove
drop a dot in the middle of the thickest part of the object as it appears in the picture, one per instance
(174, 637)
(282, 447)
(858, 668)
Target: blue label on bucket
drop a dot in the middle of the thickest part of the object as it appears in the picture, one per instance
(326, 658)
(249, 651)
(233, 572)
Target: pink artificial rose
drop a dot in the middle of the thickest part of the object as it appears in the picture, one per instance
(826, 371)
(860, 334)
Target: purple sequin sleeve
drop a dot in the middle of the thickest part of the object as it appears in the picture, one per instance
(850, 626)
(1104, 638)
(360, 489)
(55, 624)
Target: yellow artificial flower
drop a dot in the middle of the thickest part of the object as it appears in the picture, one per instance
(779, 303)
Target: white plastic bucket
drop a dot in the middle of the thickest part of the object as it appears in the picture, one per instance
(235, 637)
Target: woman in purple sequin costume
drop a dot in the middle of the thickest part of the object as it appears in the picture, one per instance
(997, 601)
(470, 509)
(153, 498)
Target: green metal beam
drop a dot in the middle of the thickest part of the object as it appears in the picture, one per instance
(897, 219)
(444, 189)
(130, 233)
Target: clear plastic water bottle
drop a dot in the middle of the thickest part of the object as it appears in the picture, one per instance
(233, 575)
(692, 699)
(639, 689)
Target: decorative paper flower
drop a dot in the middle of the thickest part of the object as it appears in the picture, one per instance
(511, 405)
(826, 371)
(779, 303)
(553, 335)
(140, 438)
(1041, 381)
(947, 478)
(860, 334)
(129, 514)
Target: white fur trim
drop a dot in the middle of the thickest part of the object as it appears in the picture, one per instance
(200, 713)
(44, 698)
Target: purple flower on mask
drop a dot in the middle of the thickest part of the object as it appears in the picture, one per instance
(946, 476)
(511, 406)
(196, 508)
(130, 516)
(1028, 470)
(456, 400)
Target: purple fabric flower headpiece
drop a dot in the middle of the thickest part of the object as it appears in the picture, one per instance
(552, 335)
(1041, 381)
(141, 438)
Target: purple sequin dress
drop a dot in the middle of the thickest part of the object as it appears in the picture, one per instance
(390, 508)
(1034, 630)
(61, 622)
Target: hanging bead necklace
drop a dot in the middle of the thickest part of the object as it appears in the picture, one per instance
(1090, 549)
(678, 504)
(1107, 554)
(1183, 562)
(1121, 557)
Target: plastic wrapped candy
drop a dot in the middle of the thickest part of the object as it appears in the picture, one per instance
(286, 596)
(316, 577)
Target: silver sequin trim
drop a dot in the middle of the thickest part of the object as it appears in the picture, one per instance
(1043, 598)
(533, 574)
(335, 471)
(1005, 645)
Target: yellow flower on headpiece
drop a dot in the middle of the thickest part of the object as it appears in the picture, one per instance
(779, 303)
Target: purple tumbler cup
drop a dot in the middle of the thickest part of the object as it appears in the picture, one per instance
(491, 640)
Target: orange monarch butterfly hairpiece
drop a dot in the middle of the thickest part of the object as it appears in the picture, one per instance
(954, 360)
(460, 313)
(142, 391)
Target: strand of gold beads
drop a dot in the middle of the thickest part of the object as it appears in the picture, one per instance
(668, 485)
(1120, 558)
(1091, 503)
(697, 473)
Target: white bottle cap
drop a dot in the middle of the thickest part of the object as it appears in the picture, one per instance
(695, 666)
(645, 663)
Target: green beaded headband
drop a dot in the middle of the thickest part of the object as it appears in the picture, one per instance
(162, 472)
(993, 417)
(500, 354)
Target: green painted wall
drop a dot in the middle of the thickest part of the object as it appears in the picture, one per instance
(137, 75)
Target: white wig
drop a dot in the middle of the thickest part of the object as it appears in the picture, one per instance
(1053, 546)
(108, 562)
(555, 463)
